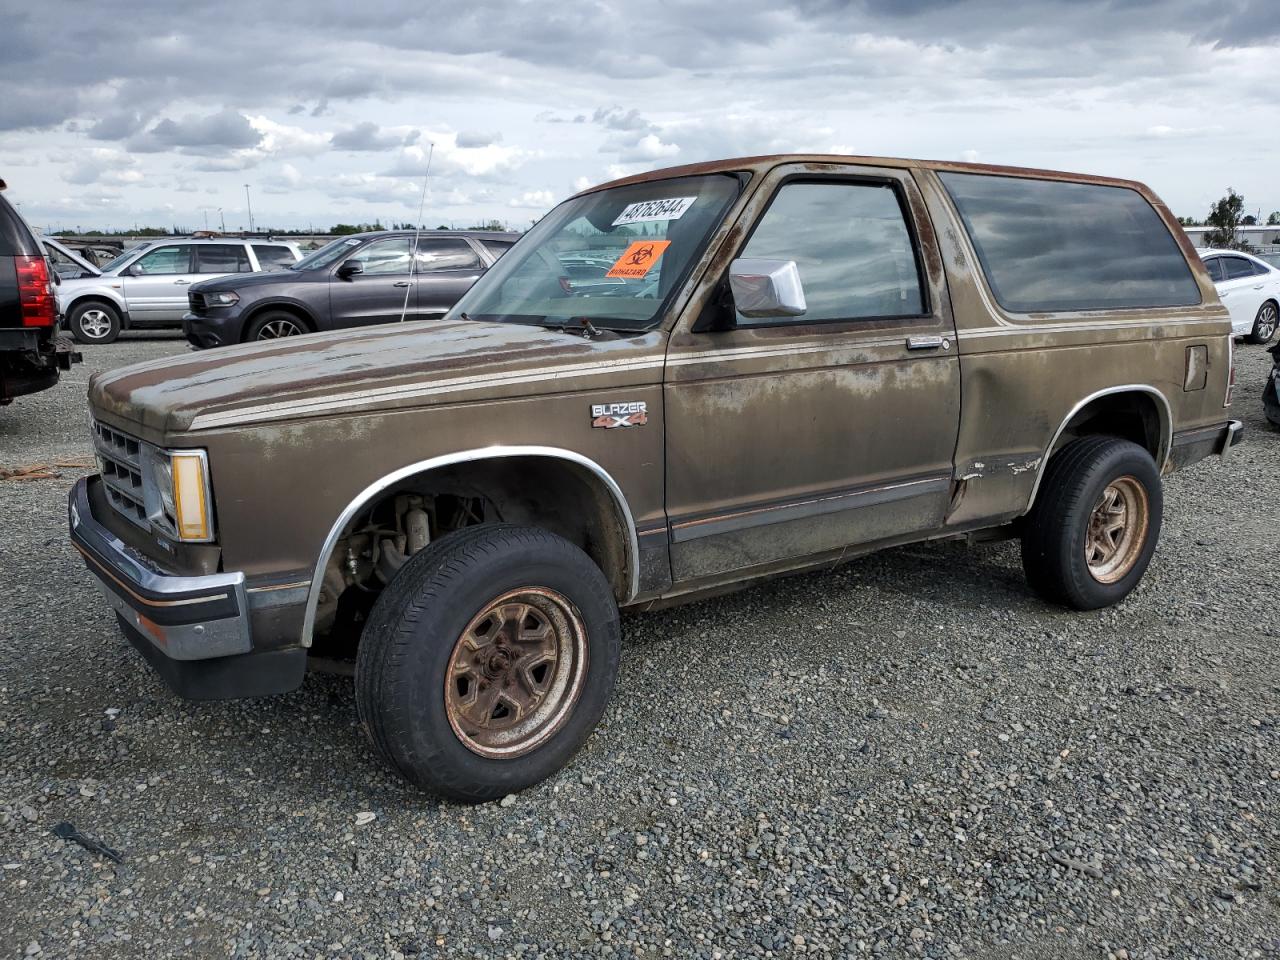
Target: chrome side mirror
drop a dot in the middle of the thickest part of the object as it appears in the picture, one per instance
(766, 288)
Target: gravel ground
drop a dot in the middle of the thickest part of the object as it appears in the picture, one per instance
(908, 757)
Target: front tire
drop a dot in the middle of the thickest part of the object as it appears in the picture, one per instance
(94, 322)
(488, 661)
(275, 324)
(1264, 324)
(1094, 526)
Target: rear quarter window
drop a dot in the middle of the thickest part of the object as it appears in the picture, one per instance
(1052, 245)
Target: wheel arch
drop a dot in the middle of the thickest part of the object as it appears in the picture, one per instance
(285, 306)
(1116, 407)
(99, 296)
(623, 574)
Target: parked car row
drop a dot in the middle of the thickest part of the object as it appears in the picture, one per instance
(367, 278)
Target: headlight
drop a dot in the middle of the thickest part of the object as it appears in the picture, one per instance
(223, 298)
(177, 494)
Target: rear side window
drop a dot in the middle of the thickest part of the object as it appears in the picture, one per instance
(1050, 245)
(497, 247)
(437, 255)
(1214, 266)
(1237, 267)
(852, 247)
(222, 258)
(272, 256)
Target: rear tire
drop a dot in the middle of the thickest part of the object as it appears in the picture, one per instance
(488, 661)
(94, 322)
(1264, 324)
(1094, 526)
(275, 324)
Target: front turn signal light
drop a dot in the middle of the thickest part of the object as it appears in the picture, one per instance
(191, 504)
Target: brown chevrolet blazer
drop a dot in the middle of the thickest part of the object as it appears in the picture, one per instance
(674, 383)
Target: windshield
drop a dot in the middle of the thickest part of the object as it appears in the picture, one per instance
(611, 258)
(119, 261)
(324, 256)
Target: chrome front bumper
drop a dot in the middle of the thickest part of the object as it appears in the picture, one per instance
(184, 618)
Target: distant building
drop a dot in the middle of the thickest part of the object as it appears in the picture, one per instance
(1259, 236)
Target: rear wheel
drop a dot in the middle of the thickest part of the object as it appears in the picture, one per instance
(275, 324)
(94, 322)
(487, 662)
(1093, 529)
(1265, 323)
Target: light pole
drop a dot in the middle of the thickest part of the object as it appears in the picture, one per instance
(222, 220)
(248, 204)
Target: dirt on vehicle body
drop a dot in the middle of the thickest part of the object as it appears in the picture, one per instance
(784, 362)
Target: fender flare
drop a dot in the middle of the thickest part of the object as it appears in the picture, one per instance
(1163, 449)
(115, 301)
(362, 499)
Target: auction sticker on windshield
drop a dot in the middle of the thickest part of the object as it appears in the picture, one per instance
(672, 208)
(637, 259)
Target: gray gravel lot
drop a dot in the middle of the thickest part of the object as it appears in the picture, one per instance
(909, 757)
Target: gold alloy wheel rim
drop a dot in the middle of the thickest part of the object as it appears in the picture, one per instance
(516, 673)
(1117, 529)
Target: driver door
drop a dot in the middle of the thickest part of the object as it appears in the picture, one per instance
(382, 292)
(794, 437)
(155, 285)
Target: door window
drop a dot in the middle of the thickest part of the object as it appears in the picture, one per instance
(273, 256)
(384, 257)
(1237, 267)
(436, 255)
(497, 247)
(222, 258)
(162, 260)
(1214, 266)
(851, 244)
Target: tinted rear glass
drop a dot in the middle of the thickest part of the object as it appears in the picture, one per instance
(1214, 266)
(1049, 245)
(272, 256)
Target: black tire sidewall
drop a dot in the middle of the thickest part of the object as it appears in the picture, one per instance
(421, 741)
(80, 309)
(254, 327)
(1121, 459)
(1254, 336)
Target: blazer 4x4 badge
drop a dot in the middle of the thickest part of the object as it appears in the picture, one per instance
(610, 415)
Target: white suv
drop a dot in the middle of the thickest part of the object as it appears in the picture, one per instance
(146, 286)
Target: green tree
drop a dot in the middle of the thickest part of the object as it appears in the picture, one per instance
(1224, 217)
(1274, 219)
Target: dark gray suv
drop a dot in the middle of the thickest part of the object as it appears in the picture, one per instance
(354, 281)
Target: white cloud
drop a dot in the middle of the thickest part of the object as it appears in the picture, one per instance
(534, 200)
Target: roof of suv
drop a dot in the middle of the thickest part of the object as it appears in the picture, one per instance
(820, 161)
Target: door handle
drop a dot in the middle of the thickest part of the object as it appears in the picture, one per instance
(183, 282)
(401, 283)
(1259, 287)
(928, 343)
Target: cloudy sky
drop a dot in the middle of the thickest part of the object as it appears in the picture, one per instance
(157, 113)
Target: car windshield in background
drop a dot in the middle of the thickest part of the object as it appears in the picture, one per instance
(331, 251)
(119, 261)
(611, 258)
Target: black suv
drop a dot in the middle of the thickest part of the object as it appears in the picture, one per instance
(31, 353)
(354, 281)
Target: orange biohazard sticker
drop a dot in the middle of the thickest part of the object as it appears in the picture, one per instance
(637, 259)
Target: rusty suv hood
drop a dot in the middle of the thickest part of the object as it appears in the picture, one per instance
(378, 368)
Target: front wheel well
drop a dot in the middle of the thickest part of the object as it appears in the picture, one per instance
(561, 496)
(289, 308)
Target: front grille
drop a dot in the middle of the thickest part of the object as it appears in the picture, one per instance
(195, 301)
(120, 461)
